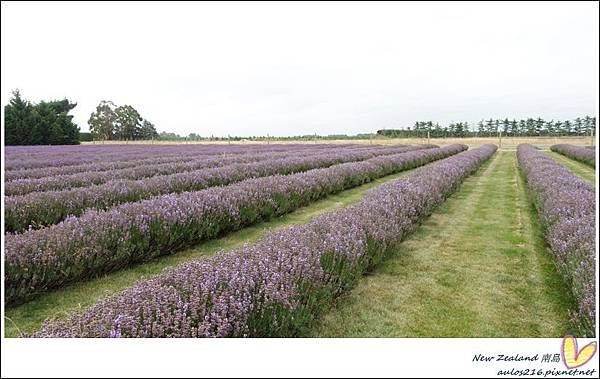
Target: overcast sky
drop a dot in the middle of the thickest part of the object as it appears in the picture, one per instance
(290, 69)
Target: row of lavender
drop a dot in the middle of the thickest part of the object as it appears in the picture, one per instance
(39, 209)
(99, 242)
(278, 286)
(24, 186)
(55, 156)
(183, 163)
(141, 159)
(583, 154)
(566, 205)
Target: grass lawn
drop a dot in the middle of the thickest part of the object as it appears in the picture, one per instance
(29, 316)
(478, 267)
(580, 169)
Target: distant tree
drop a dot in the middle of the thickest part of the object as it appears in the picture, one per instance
(459, 129)
(148, 130)
(558, 127)
(514, 128)
(112, 122)
(578, 126)
(587, 124)
(102, 121)
(489, 127)
(550, 128)
(505, 127)
(17, 120)
(169, 136)
(480, 129)
(128, 123)
(568, 127)
(86, 137)
(539, 127)
(45, 123)
(437, 131)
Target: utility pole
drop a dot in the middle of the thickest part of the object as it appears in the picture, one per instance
(499, 138)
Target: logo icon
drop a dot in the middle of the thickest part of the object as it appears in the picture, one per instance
(572, 356)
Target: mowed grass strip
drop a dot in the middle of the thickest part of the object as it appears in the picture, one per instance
(578, 168)
(478, 267)
(28, 317)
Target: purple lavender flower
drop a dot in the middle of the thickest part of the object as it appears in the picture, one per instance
(38, 209)
(579, 153)
(277, 286)
(98, 242)
(566, 205)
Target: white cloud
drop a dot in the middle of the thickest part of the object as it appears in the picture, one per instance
(297, 68)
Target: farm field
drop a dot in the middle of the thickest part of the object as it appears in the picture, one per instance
(456, 278)
(90, 226)
(30, 316)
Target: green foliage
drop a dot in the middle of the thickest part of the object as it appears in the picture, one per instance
(45, 123)
(490, 128)
(86, 137)
(111, 122)
(102, 121)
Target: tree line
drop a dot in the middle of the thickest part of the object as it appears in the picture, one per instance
(44, 123)
(529, 127)
(49, 123)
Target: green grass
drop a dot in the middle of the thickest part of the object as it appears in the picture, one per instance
(580, 169)
(29, 316)
(478, 267)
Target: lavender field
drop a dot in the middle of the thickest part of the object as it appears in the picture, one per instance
(114, 240)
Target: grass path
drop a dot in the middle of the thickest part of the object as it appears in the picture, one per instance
(478, 267)
(578, 168)
(29, 316)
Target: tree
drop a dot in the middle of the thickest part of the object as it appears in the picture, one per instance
(539, 126)
(587, 124)
(506, 127)
(558, 126)
(550, 128)
(489, 127)
(102, 121)
(110, 122)
(459, 129)
(127, 123)
(568, 127)
(46, 123)
(148, 131)
(578, 126)
(514, 128)
(480, 129)
(17, 118)
(522, 128)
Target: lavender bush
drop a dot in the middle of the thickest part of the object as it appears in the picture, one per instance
(579, 153)
(39, 209)
(103, 241)
(184, 164)
(566, 205)
(26, 157)
(277, 286)
(142, 159)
